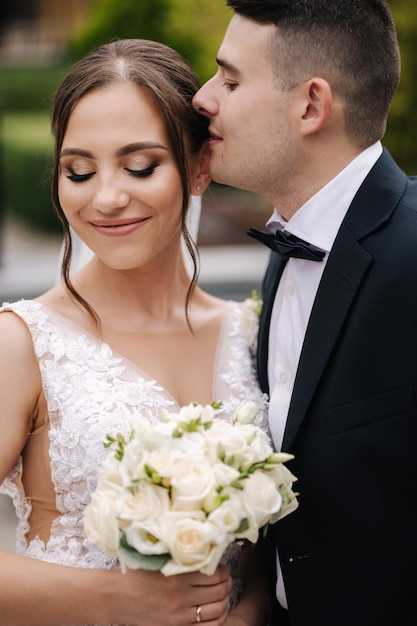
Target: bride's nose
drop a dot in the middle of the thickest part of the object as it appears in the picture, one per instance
(110, 195)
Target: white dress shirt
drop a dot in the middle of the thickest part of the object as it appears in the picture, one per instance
(318, 222)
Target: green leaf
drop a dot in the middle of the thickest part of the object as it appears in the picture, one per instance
(153, 475)
(134, 560)
(243, 526)
(109, 441)
(237, 485)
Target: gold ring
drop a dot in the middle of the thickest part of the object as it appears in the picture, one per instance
(198, 614)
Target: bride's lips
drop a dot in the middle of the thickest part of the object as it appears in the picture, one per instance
(117, 228)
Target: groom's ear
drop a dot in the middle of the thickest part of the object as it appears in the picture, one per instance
(201, 177)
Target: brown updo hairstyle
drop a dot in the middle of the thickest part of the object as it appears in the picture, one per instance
(171, 84)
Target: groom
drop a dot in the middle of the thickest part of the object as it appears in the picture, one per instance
(297, 110)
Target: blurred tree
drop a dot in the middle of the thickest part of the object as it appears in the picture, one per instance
(193, 28)
(401, 135)
(208, 20)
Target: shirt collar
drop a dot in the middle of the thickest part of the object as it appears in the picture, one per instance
(319, 219)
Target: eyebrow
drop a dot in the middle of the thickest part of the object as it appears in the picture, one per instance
(227, 66)
(123, 151)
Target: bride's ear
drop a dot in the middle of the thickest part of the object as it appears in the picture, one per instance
(201, 178)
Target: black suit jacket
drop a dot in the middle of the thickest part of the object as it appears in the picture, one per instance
(349, 553)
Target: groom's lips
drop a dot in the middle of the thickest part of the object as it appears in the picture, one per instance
(214, 138)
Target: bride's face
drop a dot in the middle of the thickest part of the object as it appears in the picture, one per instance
(119, 186)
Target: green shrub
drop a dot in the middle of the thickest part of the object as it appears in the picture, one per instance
(28, 88)
(26, 155)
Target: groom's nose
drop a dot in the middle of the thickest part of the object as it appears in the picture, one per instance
(204, 100)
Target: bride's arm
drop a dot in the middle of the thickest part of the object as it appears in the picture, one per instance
(20, 390)
(34, 592)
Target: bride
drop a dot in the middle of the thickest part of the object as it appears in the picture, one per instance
(81, 254)
(127, 332)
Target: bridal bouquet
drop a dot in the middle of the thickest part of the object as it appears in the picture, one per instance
(175, 494)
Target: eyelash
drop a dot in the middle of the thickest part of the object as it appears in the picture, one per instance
(147, 171)
(230, 86)
(78, 178)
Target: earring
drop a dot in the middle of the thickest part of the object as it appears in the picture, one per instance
(198, 188)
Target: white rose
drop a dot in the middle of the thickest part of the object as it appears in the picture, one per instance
(162, 461)
(246, 412)
(131, 466)
(284, 480)
(250, 323)
(288, 507)
(194, 544)
(229, 441)
(100, 520)
(191, 413)
(261, 498)
(229, 515)
(148, 502)
(192, 479)
(224, 474)
(145, 538)
(258, 449)
(254, 303)
(281, 475)
(109, 473)
(149, 436)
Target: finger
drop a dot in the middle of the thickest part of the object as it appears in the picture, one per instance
(212, 594)
(221, 574)
(210, 614)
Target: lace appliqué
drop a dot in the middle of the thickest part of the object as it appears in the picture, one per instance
(90, 392)
(236, 365)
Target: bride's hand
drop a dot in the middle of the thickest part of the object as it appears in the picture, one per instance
(143, 598)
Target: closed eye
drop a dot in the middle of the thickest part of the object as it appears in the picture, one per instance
(79, 178)
(143, 173)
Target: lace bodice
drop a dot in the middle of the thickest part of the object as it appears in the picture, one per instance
(91, 391)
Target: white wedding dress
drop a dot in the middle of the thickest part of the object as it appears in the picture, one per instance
(92, 391)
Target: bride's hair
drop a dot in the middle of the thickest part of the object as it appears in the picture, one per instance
(171, 84)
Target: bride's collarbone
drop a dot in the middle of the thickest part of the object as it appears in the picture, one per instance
(179, 360)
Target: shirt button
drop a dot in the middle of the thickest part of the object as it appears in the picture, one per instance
(290, 290)
(283, 377)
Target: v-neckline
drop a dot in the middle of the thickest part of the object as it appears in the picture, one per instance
(132, 366)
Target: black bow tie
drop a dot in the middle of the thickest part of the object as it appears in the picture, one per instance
(288, 245)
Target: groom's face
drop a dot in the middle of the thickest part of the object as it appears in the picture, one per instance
(249, 114)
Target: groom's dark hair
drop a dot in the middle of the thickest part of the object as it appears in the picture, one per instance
(351, 43)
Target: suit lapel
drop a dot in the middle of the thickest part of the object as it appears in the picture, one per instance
(270, 285)
(345, 270)
(341, 280)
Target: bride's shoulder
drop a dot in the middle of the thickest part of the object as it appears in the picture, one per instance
(59, 301)
(55, 298)
(210, 307)
(16, 345)
(205, 307)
